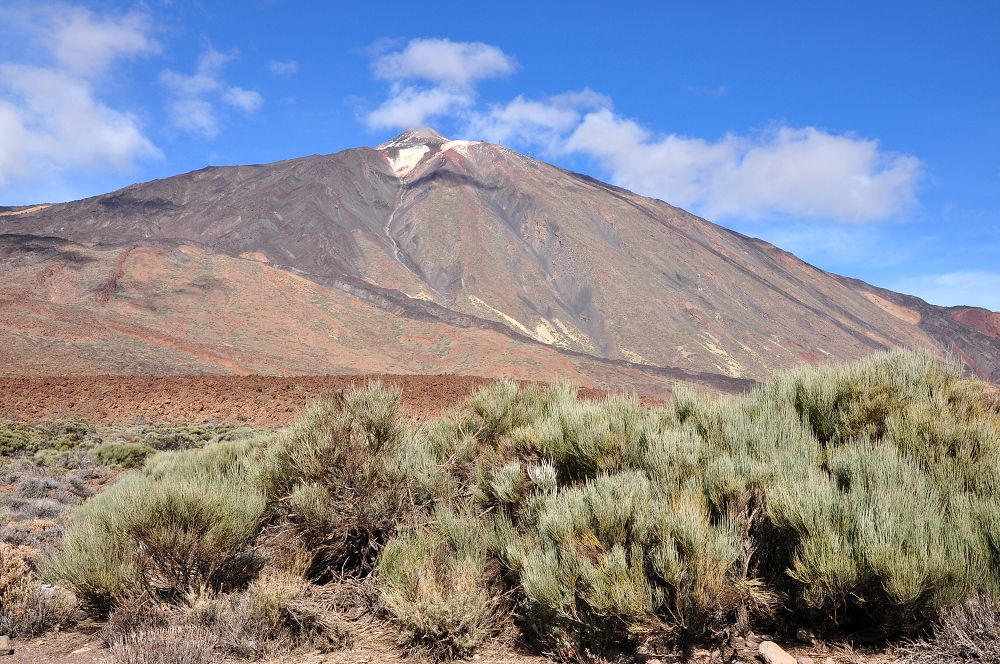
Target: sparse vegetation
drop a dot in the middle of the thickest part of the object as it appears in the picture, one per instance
(968, 632)
(859, 498)
(171, 644)
(28, 608)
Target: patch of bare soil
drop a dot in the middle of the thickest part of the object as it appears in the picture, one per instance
(256, 400)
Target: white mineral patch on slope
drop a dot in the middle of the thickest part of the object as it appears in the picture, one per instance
(459, 146)
(507, 319)
(546, 334)
(732, 367)
(574, 334)
(407, 159)
(633, 357)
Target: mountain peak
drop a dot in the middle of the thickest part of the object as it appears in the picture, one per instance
(414, 137)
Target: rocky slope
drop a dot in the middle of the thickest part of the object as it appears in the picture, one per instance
(453, 239)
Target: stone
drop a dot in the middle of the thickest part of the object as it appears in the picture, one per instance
(5, 648)
(772, 653)
(805, 635)
(805, 660)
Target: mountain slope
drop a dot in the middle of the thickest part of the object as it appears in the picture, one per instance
(474, 235)
(166, 308)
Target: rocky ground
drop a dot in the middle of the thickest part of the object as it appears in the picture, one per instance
(254, 400)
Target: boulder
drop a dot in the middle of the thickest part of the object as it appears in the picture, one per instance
(772, 653)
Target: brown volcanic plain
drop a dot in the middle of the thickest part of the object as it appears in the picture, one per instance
(429, 256)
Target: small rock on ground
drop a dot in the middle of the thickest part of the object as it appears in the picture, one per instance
(772, 653)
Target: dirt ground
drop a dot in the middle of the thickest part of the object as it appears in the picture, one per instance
(82, 646)
(255, 400)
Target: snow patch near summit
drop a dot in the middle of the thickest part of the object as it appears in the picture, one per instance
(406, 159)
(457, 144)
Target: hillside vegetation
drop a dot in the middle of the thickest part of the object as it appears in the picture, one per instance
(855, 500)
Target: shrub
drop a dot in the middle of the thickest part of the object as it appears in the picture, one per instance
(186, 436)
(27, 608)
(30, 512)
(165, 537)
(617, 557)
(278, 612)
(171, 644)
(335, 476)
(125, 455)
(969, 632)
(439, 590)
(18, 438)
(861, 498)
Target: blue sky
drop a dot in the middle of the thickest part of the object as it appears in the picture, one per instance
(862, 136)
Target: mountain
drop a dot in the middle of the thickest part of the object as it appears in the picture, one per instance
(367, 259)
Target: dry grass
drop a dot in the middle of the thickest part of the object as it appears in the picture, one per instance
(171, 644)
(967, 633)
(28, 608)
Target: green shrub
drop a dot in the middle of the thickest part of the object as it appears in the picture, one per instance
(860, 497)
(186, 436)
(163, 537)
(124, 455)
(337, 478)
(860, 494)
(18, 438)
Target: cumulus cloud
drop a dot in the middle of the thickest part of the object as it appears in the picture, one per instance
(51, 115)
(85, 43)
(431, 78)
(283, 67)
(804, 173)
(413, 107)
(979, 288)
(193, 106)
(783, 172)
(444, 62)
(530, 122)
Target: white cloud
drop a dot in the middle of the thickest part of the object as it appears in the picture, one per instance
(412, 107)
(85, 43)
(283, 67)
(800, 173)
(247, 101)
(804, 173)
(444, 62)
(192, 108)
(51, 116)
(978, 288)
(432, 78)
(194, 115)
(530, 122)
